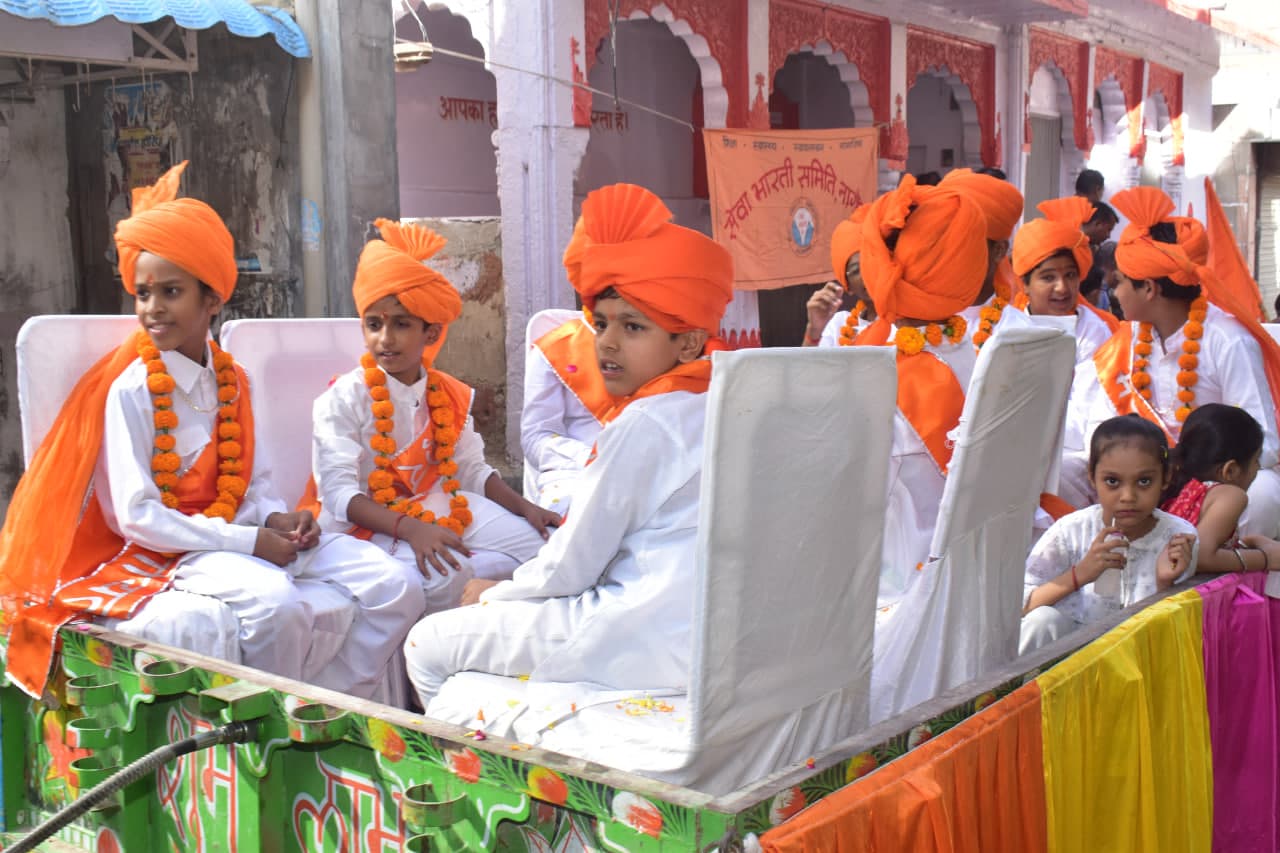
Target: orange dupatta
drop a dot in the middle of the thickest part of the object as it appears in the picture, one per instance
(102, 574)
(570, 349)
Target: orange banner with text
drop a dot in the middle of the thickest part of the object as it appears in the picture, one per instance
(776, 196)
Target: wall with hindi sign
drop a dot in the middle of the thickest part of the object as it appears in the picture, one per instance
(626, 144)
(446, 115)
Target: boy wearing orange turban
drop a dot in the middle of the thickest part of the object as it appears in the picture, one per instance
(151, 478)
(925, 257)
(1052, 256)
(1186, 345)
(1001, 205)
(828, 325)
(564, 405)
(606, 601)
(395, 450)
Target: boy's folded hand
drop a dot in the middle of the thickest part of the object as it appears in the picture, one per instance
(274, 547)
(540, 519)
(298, 527)
(434, 545)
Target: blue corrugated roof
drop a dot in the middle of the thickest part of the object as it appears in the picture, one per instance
(241, 17)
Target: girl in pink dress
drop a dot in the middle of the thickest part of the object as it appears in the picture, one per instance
(1213, 465)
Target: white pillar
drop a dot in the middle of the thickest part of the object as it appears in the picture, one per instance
(1017, 73)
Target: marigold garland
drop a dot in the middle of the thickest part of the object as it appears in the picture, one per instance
(444, 439)
(1188, 362)
(165, 462)
(849, 330)
(910, 340)
(988, 317)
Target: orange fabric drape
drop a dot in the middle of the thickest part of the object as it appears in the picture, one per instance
(846, 241)
(97, 558)
(694, 377)
(1225, 260)
(1112, 362)
(932, 400)
(977, 788)
(570, 349)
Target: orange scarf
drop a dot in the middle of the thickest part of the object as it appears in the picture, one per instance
(101, 574)
(931, 399)
(570, 349)
(695, 377)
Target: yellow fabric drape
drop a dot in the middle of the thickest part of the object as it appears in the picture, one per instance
(976, 788)
(1127, 762)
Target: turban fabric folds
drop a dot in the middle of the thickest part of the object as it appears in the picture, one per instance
(846, 240)
(1059, 230)
(624, 239)
(393, 266)
(938, 263)
(184, 231)
(1001, 205)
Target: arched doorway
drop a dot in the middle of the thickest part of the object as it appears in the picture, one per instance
(446, 114)
(942, 123)
(1054, 160)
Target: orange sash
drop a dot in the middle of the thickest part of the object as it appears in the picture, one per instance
(694, 376)
(1113, 362)
(931, 399)
(570, 349)
(106, 576)
(414, 470)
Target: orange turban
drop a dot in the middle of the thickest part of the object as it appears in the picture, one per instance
(1000, 201)
(1193, 238)
(1139, 256)
(1059, 230)
(939, 262)
(624, 239)
(846, 240)
(183, 231)
(392, 266)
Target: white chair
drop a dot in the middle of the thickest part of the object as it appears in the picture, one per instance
(788, 562)
(960, 617)
(290, 362)
(53, 353)
(539, 324)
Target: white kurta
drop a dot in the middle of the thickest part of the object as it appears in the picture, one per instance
(276, 608)
(1085, 326)
(915, 487)
(1230, 371)
(342, 461)
(608, 600)
(1068, 541)
(556, 432)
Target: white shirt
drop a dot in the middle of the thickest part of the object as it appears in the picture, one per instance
(1086, 327)
(1230, 371)
(556, 430)
(125, 490)
(915, 486)
(621, 569)
(341, 459)
(1068, 541)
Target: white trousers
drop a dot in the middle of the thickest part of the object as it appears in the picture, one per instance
(1042, 626)
(335, 617)
(501, 637)
(499, 540)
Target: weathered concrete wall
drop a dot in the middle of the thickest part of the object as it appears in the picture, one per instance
(37, 275)
(476, 349)
(233, 121)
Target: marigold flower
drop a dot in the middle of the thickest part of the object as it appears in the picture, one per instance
(956, 327)
(227, 393)
(380, 394)
(162, 402)
(384, 496)
(165, 419)
(909, 340)
(382, 444)
(1141, 380)
(222, 360)
(148, 352)
(426, 516)
(385, 425)
(447, 468)
(218, 509)
(229, 449)
(442, 452)
(437, 398)
(160, 383)
(227, 377)
(445, 435)
(230, 466)
(166, 462)
(449, 523)
(1187, 378)
(232, 485)
(1142, 348)
(229, 430)
(1140, 364)
(1191, 347)
(1186, 395)
(933, 334)
(1193, 331)
(374, 376)
(450, 486)
(442, 416)
(165, 480)
(463, 516)
(170, 500)
(383, 409)
(165, 441)
(1188, 362)
(458, 502)
(382, 461)
(380, 479)
(156, 366)
(1183, 413)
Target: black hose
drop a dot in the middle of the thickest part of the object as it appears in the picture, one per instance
(237, 732)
